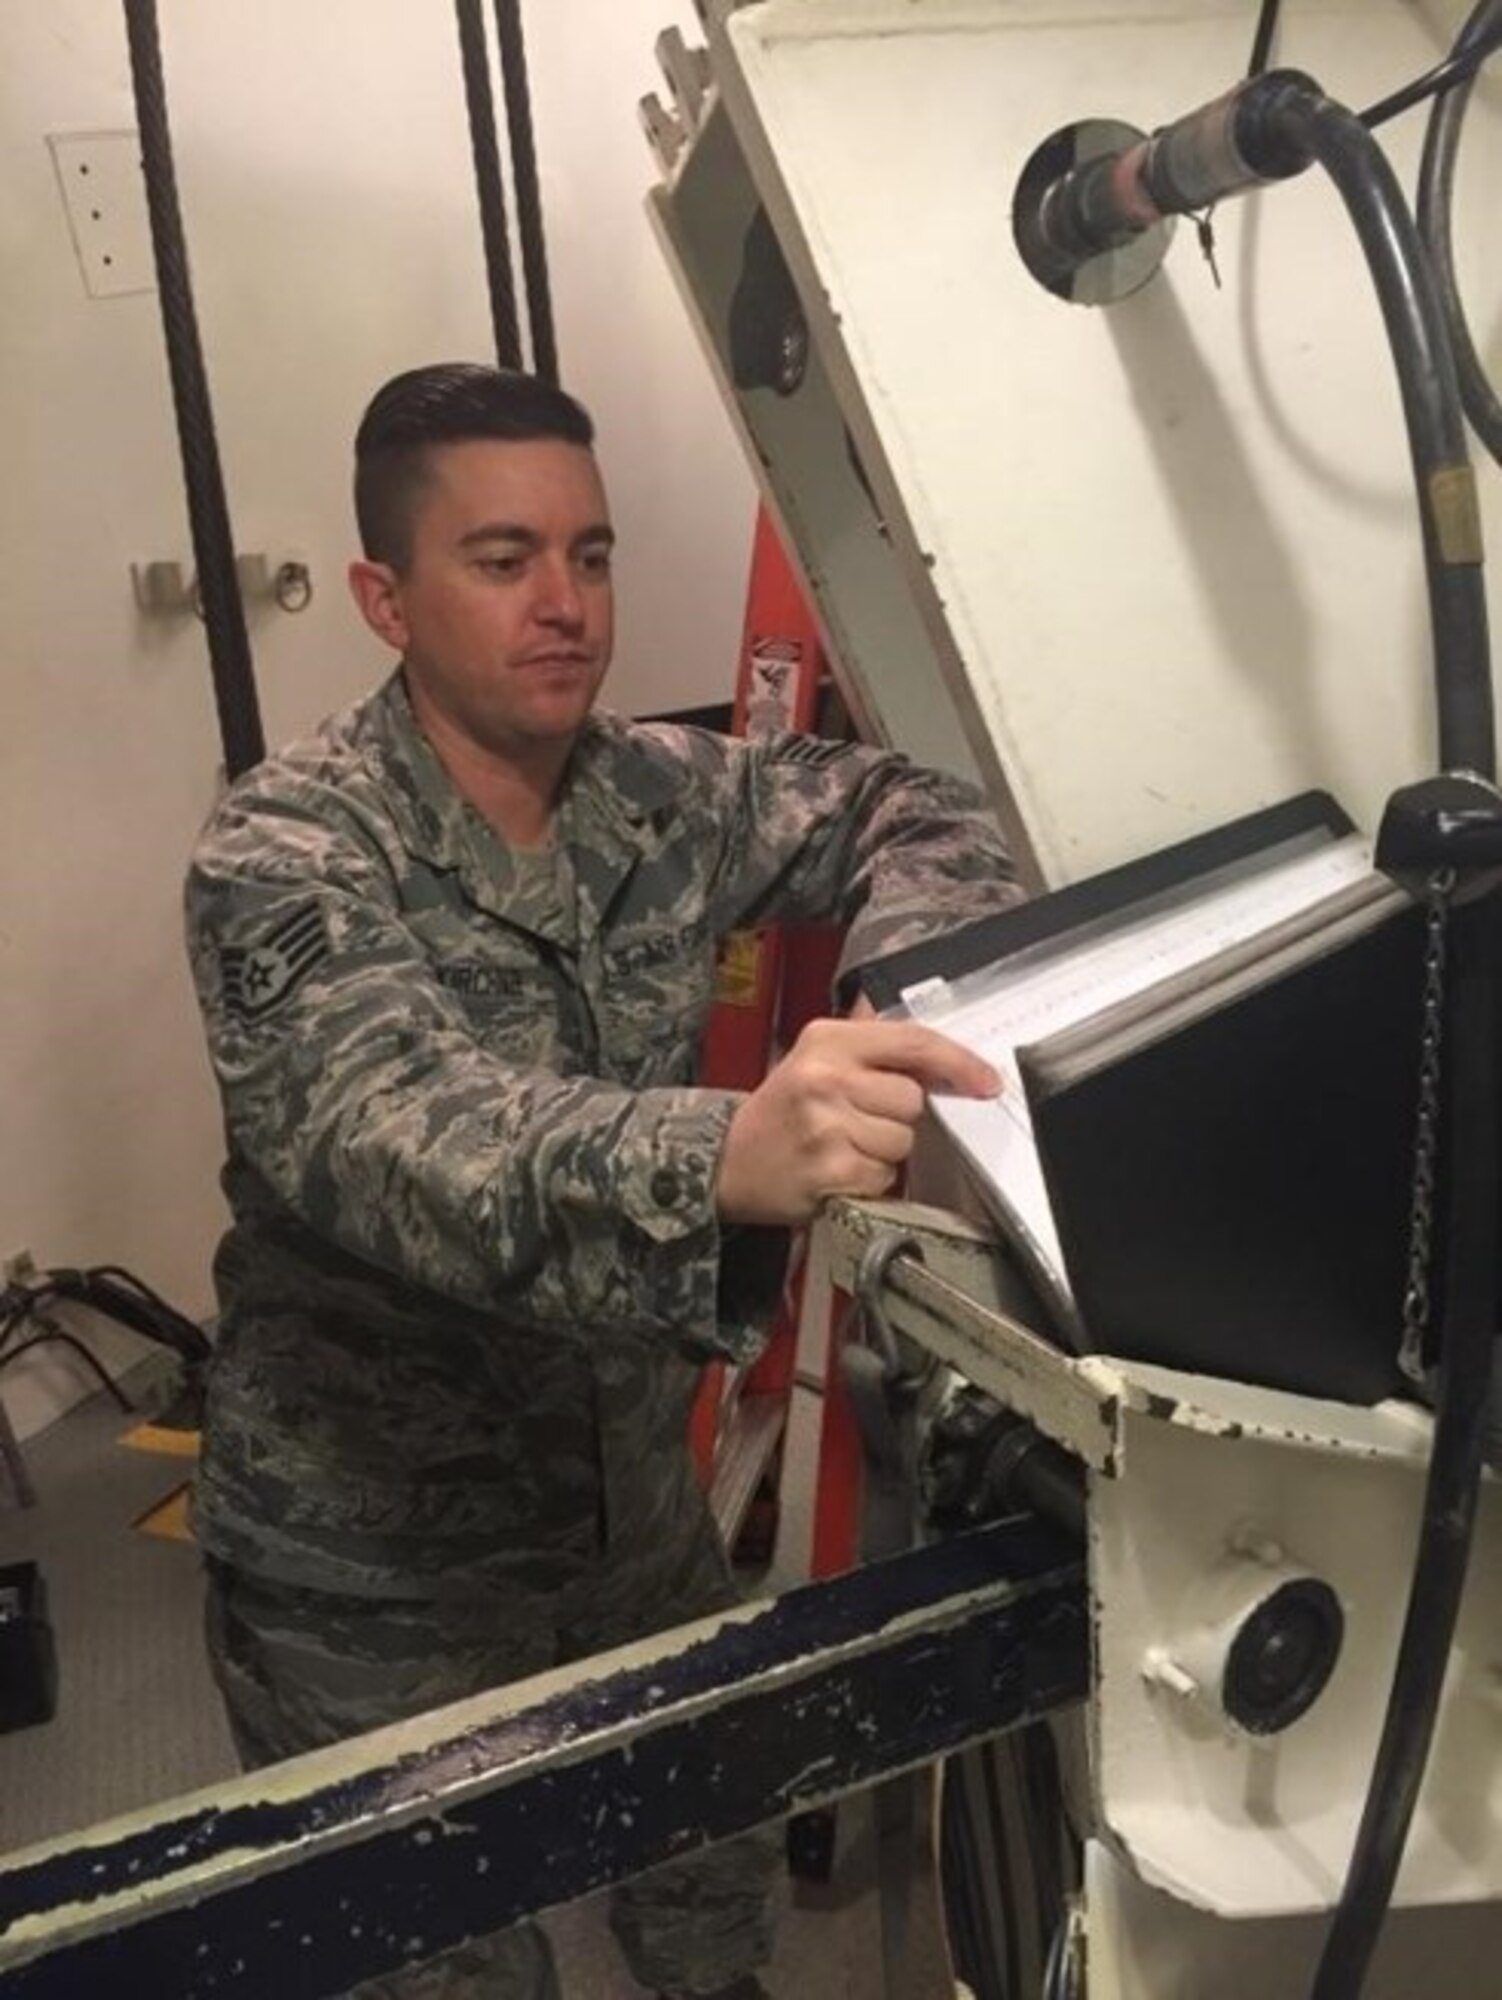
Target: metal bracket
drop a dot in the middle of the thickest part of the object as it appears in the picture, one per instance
(948, 1304)
(671, 128)
(165, 589)
(882, 1388)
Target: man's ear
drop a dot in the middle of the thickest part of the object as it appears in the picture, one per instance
(377, 592)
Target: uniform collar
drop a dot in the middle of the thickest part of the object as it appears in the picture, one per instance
(617, 805)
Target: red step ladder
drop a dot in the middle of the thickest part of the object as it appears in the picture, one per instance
(771, 983)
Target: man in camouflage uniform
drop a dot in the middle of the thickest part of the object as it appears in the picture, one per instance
(454, 955)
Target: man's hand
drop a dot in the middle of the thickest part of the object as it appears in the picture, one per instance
(837, 1116)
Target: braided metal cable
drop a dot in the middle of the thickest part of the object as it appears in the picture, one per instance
(488, 183)
(208, 512)
(529, 229)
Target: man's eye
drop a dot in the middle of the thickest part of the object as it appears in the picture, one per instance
(595, 562)
(502, 565)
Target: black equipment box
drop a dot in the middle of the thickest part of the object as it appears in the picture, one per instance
(28, 1651)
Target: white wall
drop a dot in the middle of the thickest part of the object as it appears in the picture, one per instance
(329, 202)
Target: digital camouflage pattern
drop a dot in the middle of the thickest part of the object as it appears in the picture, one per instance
(475, 1258)
(475, 1265)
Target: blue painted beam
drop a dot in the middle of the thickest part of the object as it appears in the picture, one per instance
(305, 1880)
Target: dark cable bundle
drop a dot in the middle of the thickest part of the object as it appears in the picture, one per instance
(115, 1293)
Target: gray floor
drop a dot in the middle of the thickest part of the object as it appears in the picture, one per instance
(138, 1719)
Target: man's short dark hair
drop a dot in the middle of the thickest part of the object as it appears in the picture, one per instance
(451, 402)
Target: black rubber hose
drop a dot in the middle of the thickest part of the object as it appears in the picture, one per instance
(1483, 29)
(529, 229)
(489, 187)
(1456, 68)
(1262, 40)
(1292, 109)
(1454, 1481)
(208, 512)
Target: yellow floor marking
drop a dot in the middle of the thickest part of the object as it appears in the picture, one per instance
(168, 1518)
(173, 1444)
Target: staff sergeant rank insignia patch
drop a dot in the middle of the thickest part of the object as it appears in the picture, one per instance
(258, 978)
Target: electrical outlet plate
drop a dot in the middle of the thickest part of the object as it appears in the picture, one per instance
(104, 194)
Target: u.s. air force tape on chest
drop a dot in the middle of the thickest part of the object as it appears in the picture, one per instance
(259, 977)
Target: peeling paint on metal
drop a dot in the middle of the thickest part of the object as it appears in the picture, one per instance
(338, 1879)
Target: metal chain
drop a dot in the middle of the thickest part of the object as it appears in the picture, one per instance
(1437, 893)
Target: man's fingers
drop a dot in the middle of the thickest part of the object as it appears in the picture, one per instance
(889, 1140)
(868, 1179)
(962, 1073)
(911, 1049)
(886, 1093)
(837, 1116)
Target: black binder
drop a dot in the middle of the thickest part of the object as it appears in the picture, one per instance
(1228, 1154)
(1232, 1191)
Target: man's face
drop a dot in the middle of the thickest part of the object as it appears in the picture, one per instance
(504, 614)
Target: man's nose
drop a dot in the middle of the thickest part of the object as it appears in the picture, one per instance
(559, 599)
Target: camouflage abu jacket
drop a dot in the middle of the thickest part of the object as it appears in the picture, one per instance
(474, 1258)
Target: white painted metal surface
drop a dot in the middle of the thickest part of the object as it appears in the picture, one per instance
(1188, 1473)
(1164, 555)
(1145, 1946)
(1245, 1827)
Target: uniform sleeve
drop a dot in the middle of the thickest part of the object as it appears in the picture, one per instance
(898, 854)
(353, 1086)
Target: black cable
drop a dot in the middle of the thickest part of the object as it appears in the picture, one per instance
(962, 1900)
(1457, 69)
(1292, 111)
(128, 1278)
(117, 1274)
(989, 1964)
(1040, 1851)
(105, 1282)
(1262, 40)
(73, 1288)
(489, 187)
(208, 512)
(142, 1312)
(1456, 1459)
(1480, 37)
(1042, 1792)
(114, 1294)
(14, 1315)
(1053, 1970)
(90, 1361)
(529, 229)
(1007, 1866)
(1415, 321)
